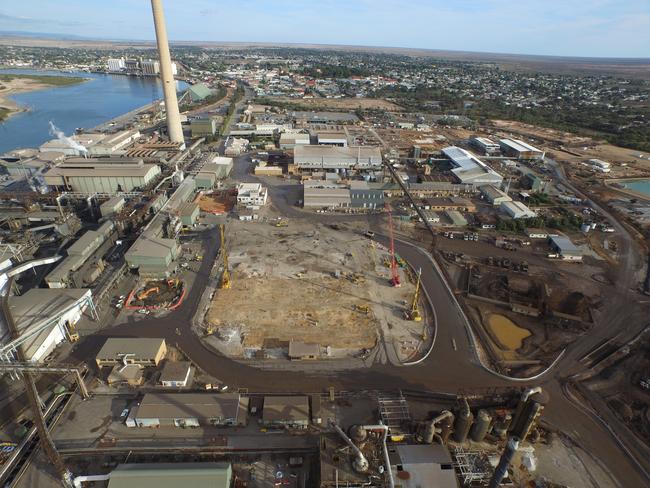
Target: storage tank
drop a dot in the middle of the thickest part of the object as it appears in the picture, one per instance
(358, 434)
(464, 419)
(500, 427)
(481, 427)
(446, 426)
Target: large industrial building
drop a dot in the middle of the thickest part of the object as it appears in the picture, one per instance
(289, 140)
(171, 475)
(102, 175)
(45, 317)
(467, 168)
(131, 350)
(189, 410)
(337, 158)
(520, 149)
(487, 146)
(84, 262)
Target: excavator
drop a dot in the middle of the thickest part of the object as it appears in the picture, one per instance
(225, 277)
(414, 312)
(144, 294)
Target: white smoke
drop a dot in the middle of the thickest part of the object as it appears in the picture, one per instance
(69, 141)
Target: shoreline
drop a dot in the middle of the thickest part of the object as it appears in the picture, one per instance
(18, 85)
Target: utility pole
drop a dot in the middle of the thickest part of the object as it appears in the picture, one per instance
(32, 395)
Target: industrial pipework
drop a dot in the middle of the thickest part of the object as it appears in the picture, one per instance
(506, 458)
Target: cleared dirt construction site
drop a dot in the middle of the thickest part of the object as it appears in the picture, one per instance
(309, 283)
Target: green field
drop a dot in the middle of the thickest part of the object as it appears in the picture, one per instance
(45, 79)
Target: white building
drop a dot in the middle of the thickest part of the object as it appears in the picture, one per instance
(485, 145)
(332, 138)
(236, 146)
(150, 68)
(469, 169)
(520, 149)
(599, 165)
(494, 195)
(47, 316)
(251, 195)
(289, 140)
(115, 65)
(336, 158)
(517, 210)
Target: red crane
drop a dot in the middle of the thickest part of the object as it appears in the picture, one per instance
(394, 274)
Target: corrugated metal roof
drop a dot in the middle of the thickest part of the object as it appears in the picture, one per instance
(171, 475)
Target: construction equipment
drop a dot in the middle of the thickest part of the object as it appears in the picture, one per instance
(144, 294)
(73, 335)
(394, 278)
(225, 276)
(282, 223)
(414, 312)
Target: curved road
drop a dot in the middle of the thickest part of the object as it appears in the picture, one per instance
(446, 370)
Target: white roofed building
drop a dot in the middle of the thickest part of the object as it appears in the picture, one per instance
(469, 169)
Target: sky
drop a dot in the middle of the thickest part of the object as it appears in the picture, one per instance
(595, 28)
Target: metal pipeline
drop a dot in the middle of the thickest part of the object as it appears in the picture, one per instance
(384, 429)
(360, 463)
(525, 395)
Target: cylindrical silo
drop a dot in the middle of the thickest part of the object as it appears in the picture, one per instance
(463, 422)
(481, 426)
(446, 426)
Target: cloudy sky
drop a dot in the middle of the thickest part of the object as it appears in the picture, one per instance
(607, 28)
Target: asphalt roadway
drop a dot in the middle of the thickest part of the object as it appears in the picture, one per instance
(448, 369)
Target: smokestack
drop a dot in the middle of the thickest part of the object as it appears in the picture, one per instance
(169, 87)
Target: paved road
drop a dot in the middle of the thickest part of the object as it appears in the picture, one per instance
(446, 370)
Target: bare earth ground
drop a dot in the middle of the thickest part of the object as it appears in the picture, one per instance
(342, 103)
(284, 287)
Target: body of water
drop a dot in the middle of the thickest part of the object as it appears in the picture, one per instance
(86, 105)
(641, 186)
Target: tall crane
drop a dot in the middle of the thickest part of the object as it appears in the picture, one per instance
(225, 276)
(394, 274)
(414, 312)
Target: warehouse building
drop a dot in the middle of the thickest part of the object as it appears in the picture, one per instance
(286, 411)
(131, 350)
(84, 263)
(517, 210)
(600, 165)
(362, 196)
(263, 169)
(171, 475)
(176, 374)
(485, 145)
(332, 138)
(102, 175)
(48, 317)
(300, 351)
(154, 257)
(112, 206)
(468, 169)
(519, 149)
(436, 188)
(494, 195)
(289, 140)
(325, 194)
(198, 92)
(204, 127)
(566, 249)
(451, 203)
(337, 158)
(190, 410)
(189, 213)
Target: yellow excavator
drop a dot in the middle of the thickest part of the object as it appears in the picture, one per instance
(414, 312)
(225, 277)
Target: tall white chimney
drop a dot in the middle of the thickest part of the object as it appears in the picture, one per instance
(174, 128)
